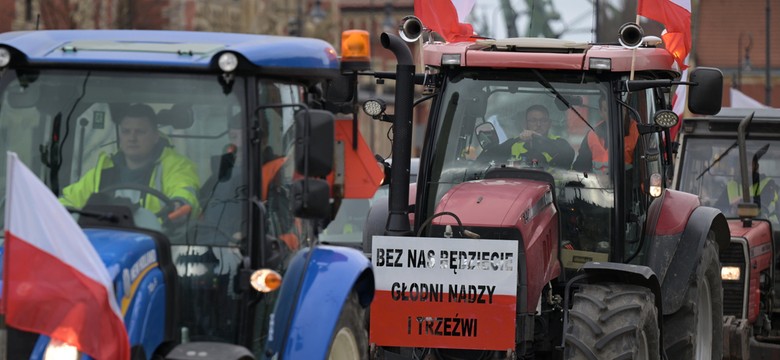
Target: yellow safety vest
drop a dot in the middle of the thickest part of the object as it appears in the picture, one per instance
(518, 149)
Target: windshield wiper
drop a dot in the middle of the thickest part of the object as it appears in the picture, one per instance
(560, 97)
(52, 153)
(723, 154)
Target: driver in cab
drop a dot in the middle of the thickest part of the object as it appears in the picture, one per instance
(535, 146)
(146, 159)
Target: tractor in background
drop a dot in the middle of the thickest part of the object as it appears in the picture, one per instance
(730, 161)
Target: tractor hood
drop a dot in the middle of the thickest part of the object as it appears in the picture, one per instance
(495, 202)
(128, 256)
(515, 209)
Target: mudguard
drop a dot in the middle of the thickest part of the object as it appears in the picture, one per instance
(599, 272)
(678, 228)
(141, 269)
(316, 285)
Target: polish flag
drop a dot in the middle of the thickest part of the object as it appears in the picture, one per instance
(54, 282)
(445, 18)
(679, 100)
(675, 15)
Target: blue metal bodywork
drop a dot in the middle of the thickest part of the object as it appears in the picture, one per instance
(317, 289)
(132, 262)
(194, 50)
(307, 306)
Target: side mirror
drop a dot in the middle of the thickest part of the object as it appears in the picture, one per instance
(314, 136)
(341, 89)
(486, 135)
(311, 199)
(706, 96)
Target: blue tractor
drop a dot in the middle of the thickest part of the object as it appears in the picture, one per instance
(234, 269)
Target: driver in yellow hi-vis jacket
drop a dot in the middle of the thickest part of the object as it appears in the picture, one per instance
(147, 160)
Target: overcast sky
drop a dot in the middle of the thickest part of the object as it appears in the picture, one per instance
(576, 17)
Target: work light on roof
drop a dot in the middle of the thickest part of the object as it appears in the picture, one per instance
(600, 64)
(450, 59)
(5, 57)
(228, 62)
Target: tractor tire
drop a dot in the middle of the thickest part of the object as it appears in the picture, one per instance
(350, 338)
(612, 321)
(695, 331)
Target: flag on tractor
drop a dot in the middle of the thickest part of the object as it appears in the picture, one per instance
(675, 15)
(54, 282)
(445, 18)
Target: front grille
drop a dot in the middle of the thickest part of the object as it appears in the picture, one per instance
(734, 291)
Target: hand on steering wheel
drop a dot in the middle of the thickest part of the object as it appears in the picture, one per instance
(170, 209)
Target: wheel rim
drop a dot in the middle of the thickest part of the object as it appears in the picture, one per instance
(704, 322)
(344, 346)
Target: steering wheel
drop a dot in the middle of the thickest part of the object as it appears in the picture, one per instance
(499, 152)
(502, 153)
(167, 205)
(165, 201)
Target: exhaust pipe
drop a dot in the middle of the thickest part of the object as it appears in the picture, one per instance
(411, 29)
(630, 35)
(747, 209)
(398, 218)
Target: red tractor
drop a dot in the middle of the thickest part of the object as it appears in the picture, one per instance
(730, 161)
(541, 224)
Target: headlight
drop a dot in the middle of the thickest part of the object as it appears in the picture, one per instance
(655, 185)
(731, 273)
(5, 57)
(60, 351)
(228, 62)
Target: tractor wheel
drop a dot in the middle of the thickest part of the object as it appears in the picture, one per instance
(350, 338)
(612, 321)
(695, 331)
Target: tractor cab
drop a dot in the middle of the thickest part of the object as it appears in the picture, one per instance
(518, 124)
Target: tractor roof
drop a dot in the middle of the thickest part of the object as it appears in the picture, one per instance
(170, 49)
(553, 54)
(766, 122)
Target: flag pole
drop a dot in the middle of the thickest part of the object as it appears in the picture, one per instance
(633, 54)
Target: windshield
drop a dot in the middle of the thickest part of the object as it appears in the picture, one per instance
(488, 122)
(718, 182)
(169, 147)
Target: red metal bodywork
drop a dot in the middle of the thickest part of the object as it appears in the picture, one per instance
(676, 209)
(759, 244)
(511, 203)
(474, 55)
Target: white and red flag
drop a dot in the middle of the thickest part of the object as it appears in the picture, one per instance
(54, 282)
(679, 99)
(675, 15)
(445, 17)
